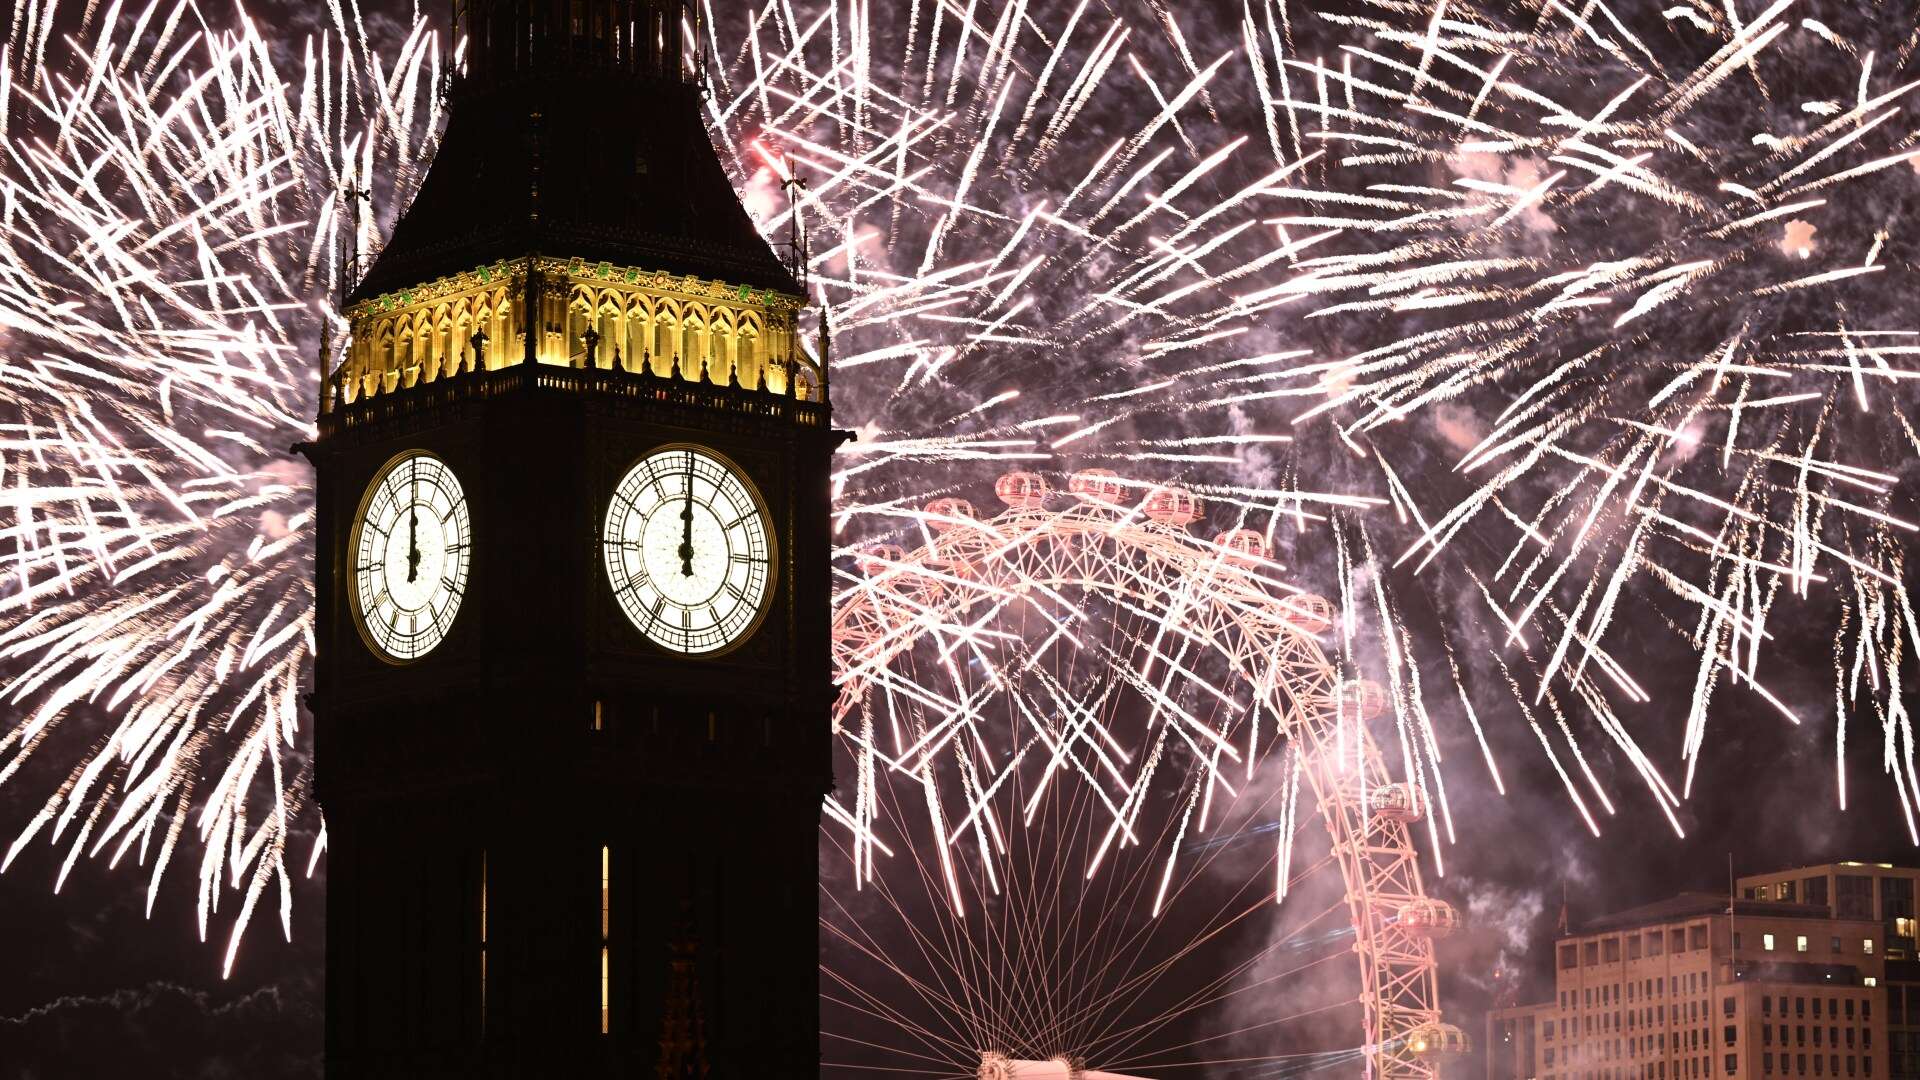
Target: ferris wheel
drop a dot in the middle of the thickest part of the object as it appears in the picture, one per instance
(1069, 834)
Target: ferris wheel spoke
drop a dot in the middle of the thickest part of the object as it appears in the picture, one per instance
(1091, 716)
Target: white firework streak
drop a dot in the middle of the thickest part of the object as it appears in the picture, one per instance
(1041, 240)
(1650, 390)
(168, 238)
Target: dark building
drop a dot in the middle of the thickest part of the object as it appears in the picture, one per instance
(574, 677)
(1513, 1042)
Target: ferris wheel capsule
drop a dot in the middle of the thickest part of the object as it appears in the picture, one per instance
(1307, 613)
(1173, 506)
(1397, 803)
(1244, 546)
(1361, 699)
(1437, 1040)
(877, 559)
(1428, 918)
(1098, 485)
(1022, 490)
(944, 514)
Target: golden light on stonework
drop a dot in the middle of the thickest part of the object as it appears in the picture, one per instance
(591, 315)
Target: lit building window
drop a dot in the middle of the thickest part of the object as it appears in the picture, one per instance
(605, 922)
(1800, 943)
(1866, 946)
(483, 942)
(1766, 942)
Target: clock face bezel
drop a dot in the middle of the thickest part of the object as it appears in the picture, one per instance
(621, 583)
(356, 535)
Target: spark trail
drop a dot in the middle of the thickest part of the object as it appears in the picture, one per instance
(1529, 319)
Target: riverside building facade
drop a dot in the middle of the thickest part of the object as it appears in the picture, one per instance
(1694, 987)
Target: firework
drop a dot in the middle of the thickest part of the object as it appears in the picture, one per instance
(170, 229)
(1058, 724)
(1617, 289)
(1518, 319)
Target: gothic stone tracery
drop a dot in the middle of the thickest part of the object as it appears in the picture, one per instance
(598, 314)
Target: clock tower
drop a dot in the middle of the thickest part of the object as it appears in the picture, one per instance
(573, 672)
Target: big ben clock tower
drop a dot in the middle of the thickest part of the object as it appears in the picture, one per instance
(573, 680)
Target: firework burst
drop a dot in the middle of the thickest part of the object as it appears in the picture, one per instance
(1526, 316)
(1622, 292)
(168, 220)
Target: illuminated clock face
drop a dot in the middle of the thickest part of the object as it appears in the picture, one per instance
(688, 551)
(410, 548)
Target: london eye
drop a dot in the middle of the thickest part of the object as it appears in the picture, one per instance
(1089, 739)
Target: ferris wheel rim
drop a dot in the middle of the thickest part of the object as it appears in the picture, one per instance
(1378, 861)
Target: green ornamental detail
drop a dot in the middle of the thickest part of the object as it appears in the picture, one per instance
(746, 292)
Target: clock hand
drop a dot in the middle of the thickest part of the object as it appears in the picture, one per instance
(686, 524)
(413, 528)
(413, 544)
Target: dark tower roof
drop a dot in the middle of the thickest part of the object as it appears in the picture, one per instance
(575, 130)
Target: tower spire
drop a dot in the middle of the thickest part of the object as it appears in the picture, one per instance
(575, 127)
(512, 40)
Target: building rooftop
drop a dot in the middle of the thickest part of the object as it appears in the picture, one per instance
(1689, 904)
(1841, 865)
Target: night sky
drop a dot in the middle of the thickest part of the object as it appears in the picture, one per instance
(91, 986)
